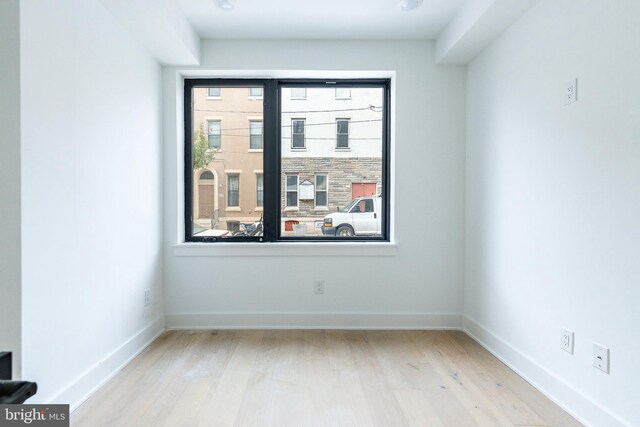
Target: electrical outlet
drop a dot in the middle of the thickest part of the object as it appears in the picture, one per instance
(566, 340)
(571, 92)
(319, 287)
(601, 358)
(147, 297)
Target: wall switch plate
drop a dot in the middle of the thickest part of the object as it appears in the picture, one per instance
(147, 297)
(601, 357)
(319, 287)
(571, 92)
(566, 340)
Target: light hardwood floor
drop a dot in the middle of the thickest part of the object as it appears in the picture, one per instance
(317, 378)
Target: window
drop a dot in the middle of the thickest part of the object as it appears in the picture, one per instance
(255, 135)
(314, 166)
(292, 191)
(213, 92)
(297, 133)
(343, 93)
(321, 191)
(214, 137)
(233, 191)
(298, 93)
(342, 133)
(259, 190)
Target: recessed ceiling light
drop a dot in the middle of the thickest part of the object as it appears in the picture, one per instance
(225, 5)
(407, 5)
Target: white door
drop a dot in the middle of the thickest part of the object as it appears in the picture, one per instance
(364, 217)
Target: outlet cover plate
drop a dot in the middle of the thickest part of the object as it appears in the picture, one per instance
(601, 357)
(571, 92)
(566, 340)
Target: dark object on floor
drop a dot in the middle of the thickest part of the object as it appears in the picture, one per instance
(12, 392)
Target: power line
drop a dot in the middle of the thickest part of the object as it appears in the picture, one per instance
(308, 124)
(370, 107)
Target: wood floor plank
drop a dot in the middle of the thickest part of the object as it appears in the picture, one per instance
(317, 378)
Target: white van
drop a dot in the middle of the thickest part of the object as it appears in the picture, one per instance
(361, 217)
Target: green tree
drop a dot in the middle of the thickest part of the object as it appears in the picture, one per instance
(202, 154)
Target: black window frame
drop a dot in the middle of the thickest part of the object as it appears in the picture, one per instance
(272, 155)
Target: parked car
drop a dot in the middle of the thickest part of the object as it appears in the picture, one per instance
(361, 217)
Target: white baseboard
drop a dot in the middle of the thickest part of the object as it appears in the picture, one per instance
(363, 321)
(94, 378)
(579, 406)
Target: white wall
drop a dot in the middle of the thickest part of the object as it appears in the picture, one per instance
(424, 278)
(91, 196)
(10, 180)
(553, 238)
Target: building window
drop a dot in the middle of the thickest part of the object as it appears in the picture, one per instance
(321, 191)
(259, 190)
(291, 148)
(255, 134)
(292, 191)
(297, 133)
(342, 133)
(233, 190)
(298, 93)
(214, 134)
(343, 93)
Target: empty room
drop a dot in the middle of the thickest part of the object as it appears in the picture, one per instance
(320, 213)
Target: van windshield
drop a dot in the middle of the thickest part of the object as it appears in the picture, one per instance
(349, 205)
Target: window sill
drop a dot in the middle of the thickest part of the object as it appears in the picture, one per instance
(321, 209)
(256, 150)
(233, 210)
(286, 249)
(258, 209)
(292, 209)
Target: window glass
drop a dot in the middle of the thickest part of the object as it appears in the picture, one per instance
(214, 137)
(343, 93)
(298, 93)
(255, 129)
(233, 197)
(292, 190)
(348, 149)
(259, 190)
(342, 133)
(225, 193)
(297, 133)
(321, 191)
(315, 166)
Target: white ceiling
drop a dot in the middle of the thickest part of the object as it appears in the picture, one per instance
(319, 19)
(172, 29)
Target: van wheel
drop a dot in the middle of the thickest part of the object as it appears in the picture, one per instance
(344, 231)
